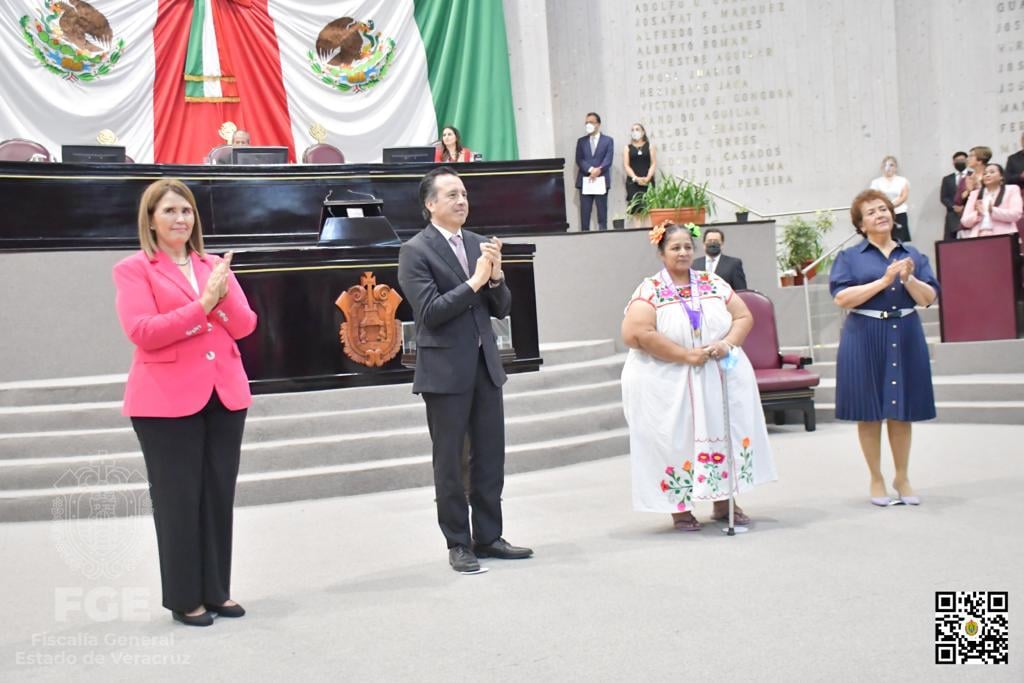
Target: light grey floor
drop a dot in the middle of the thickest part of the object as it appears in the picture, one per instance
(824, 586)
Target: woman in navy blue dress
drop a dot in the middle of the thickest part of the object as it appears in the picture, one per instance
(883, 371)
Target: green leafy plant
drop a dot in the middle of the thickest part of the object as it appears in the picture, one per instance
(670, 192)
(803, 241)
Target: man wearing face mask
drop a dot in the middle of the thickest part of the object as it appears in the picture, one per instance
(729, 268)
(947, 195)
(594, 154)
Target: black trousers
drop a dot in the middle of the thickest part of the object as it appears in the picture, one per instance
(587, 202)
(192, 466)
(901, 230)
(480, 412)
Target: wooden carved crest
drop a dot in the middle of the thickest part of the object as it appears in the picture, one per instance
(370, 334)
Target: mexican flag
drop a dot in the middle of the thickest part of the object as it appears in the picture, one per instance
(165, 75)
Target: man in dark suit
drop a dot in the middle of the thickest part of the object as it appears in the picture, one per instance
(947, 195)
(594, 154)
(454, 283)
(1014, 172)
(729, 268)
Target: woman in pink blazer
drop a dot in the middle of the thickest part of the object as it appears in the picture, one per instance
(187, 395)
(994, 208)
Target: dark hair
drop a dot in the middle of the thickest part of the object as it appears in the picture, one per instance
(708, 231)
(458, 144)
(427, 190)
(866, 196)
(1002, 187)
(595, 115)
(959, 154)
(671, 229)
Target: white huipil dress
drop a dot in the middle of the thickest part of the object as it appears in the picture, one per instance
(675, 412)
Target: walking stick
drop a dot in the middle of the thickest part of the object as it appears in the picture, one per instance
(732, 529)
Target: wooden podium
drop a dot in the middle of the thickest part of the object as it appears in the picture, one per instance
(981, 288)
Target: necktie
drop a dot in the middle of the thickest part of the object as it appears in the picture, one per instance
(593, 145)
(460, 252)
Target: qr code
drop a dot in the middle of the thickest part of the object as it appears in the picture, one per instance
(971, 627)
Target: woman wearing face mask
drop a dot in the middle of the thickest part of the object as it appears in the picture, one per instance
(685, 328)
(994, 208)
(896, 188)
(639, 161)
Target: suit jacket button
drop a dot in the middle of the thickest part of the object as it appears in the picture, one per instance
(210, 355)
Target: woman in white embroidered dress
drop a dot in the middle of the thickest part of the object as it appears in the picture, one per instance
(684, 329)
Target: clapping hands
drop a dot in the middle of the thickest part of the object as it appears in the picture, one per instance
(902, 269)
(217, 286)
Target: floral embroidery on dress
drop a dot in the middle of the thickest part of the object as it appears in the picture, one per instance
(715, 474)
(747, 462)
(679, 486)
(667, 293)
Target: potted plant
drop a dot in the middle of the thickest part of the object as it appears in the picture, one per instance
(673, 199)
(742, 213)
(787, 278)
(803, 243)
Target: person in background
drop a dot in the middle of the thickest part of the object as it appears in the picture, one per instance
(187, 395)
(947, 195)
(897, 189)
(241, 138)
(977, 160)
(1015, 166)
(639, 161)
(883, 371)
(451, 149)
(994, 208)
(594, 154)
(729, 268)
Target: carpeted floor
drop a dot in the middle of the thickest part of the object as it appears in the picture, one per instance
(823, 587)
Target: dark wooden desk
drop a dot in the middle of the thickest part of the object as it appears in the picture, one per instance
(296, 346)
(95, 206)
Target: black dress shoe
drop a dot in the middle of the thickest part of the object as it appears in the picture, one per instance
(204, 619)
(503, 550)
(229, 611)
(463, 560)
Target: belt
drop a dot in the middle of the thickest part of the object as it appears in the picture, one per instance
(883, 315)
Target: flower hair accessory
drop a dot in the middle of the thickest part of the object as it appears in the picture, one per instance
(657, 232)
(694, 230)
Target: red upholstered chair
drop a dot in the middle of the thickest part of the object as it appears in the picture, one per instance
(781, 387)
(221, 154)
(322, 153)
(17, 149)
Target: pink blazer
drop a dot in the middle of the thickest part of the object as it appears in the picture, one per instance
(1004, 217)
(181, 353)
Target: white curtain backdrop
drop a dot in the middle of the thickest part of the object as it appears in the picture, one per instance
(42, 106)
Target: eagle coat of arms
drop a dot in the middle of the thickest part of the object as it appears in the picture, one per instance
(370, 334)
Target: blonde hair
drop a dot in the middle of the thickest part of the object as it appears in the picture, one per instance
(147, 205)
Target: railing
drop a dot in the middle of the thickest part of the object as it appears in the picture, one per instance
(807, 269)
(762, 214)
(807, 290)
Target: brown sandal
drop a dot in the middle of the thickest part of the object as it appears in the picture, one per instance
(738, 517)
(685, 523)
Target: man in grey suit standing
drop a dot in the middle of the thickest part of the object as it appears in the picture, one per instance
(454, 282)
